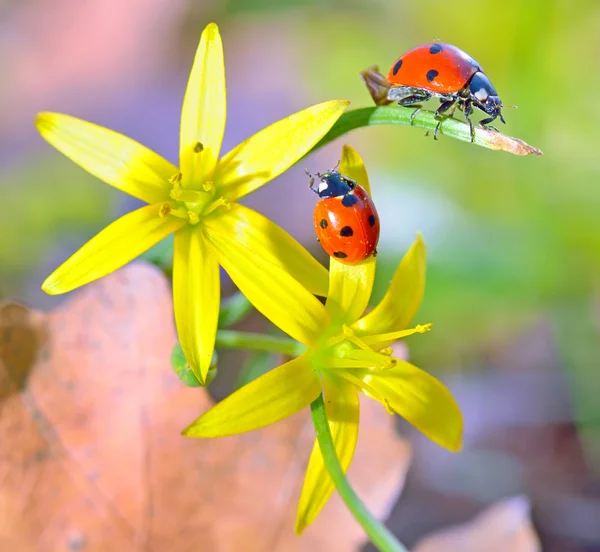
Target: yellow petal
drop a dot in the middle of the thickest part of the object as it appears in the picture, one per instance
(342, 406)
(419, 398)
(116, 245)
(276, 294)
(352, 166)
(204, 110)
(278, 394)
(274, 149)
(349, 289)
(272, 243)
(108, 155)
(402, 299)
(196, 295)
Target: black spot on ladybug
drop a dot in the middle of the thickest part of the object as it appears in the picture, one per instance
(397, 66)
(435, 49)
(431, 74)
(323, 223)
(349, 200)
(372, 220)
(339, 255)
(346, 231)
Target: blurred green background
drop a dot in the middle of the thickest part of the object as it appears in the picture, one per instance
(514, 243)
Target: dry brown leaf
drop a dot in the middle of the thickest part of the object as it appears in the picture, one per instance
(91, 456)
(505, 526)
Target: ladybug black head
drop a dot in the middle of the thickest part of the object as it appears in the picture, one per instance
(484, 95)
(332, 184)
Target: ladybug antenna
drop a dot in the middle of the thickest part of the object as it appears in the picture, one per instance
(311, 181)
(510, 106)
(337, 165)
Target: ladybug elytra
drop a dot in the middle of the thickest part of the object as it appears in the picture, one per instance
(346, 221)
(446, 72)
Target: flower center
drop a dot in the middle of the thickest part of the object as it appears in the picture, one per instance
(347, 350)
(192, 204)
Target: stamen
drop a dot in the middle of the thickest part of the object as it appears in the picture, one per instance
(222, 201)
(368, 360)
(165, 210)
(193, 217)
(347, 334)
(353, 338)
(367, 390)
(393, 336)
(199, 147)
(387, 351)
(175, 179)
(208, 186)
(375, 360)
(346, 363)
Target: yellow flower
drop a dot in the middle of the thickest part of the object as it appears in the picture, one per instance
(346, 352)
(197, 201)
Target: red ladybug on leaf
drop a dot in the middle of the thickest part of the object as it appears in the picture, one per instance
(446, 72)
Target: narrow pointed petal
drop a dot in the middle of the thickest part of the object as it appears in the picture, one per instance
(116, 245)
(272, 291)
(273, 244)
(108, 155)
(196, 295)
(204, 110)
(278, 394)
(349, 289)
(403, 297)
(419, 398)
(352, 166)
(274, 149)
(342, 406)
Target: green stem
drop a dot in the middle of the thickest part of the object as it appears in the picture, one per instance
(231, 339)
(453, 128)
(380, 536)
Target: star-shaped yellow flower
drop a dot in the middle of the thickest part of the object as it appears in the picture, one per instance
(346, 352)
(196, 201)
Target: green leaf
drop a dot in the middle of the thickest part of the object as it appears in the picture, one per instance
(453, 128)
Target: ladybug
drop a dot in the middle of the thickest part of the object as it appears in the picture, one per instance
(346, 221)
(446, 72)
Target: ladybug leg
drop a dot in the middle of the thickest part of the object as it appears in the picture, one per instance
(408, 96)
(413, 114)
(412, 101)
(468, 109)
(446, 105)
(485, 123)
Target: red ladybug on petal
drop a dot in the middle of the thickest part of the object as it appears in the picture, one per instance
(346, 221)
(446, 72)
